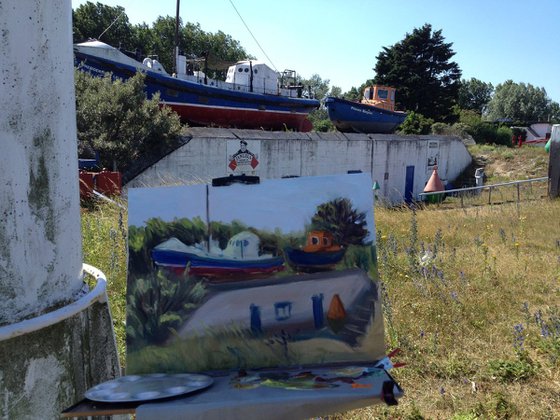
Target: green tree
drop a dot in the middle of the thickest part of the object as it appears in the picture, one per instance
(115, 119)
(106, 23)
(345, 223)
(521, 103)
(421, 69)
(474, 95)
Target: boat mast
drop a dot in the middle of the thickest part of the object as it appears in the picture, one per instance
(176, 51)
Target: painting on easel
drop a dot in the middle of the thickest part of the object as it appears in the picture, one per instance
(279, 273)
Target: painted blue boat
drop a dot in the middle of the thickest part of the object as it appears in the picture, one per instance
(305, 261)
(240, 259)
(320, 253)
(251, 97)
(375, 113)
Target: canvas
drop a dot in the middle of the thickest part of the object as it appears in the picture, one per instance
(278, 274)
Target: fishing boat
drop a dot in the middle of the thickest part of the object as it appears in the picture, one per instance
(374, 113)
(240, 260)
(252, 96)
(320, 253)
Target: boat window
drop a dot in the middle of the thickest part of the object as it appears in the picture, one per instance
(246, 70)
(368, 93)
(245, 242)
(255, 71)
(325, 241)
(382, 93)
(240, 70)
(314, 240)
(393, 95)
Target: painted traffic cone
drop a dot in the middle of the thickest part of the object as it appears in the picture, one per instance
(336, 316)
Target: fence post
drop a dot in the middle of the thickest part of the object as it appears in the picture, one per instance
(490, 195)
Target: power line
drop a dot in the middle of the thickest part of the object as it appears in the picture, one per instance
(253, 36)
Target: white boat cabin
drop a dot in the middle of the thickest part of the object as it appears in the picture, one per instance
(263, 77)
(380, 96)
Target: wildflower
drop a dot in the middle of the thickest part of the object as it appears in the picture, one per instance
(518, 337)
(454, 296)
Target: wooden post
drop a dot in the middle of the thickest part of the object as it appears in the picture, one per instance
(554, 163)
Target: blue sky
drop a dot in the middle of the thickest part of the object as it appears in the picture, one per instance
(494, 40)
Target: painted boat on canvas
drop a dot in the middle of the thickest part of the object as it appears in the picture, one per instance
(251, 96)
(375, 113)
(320, 253)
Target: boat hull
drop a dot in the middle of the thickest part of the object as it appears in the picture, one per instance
(204, 105)
(348, 116)
(304, 261)
(219, 269)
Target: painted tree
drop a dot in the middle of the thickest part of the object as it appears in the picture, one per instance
(421, 69)
(346, 224)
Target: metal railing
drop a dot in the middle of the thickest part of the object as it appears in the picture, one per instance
(477, 191)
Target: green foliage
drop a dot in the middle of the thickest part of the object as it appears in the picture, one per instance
(421, 69)
(474, 95)
(158, 305)
(457, 129)
(339, 218)
(320, 120)
(520, 369)
(521, 103)
(115, 119)
(484, 132)
(415, 123)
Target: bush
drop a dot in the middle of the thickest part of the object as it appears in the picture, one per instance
(116, 119)
(416, 124)
(483, 132)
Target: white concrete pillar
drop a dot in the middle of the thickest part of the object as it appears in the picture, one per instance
(40, 239)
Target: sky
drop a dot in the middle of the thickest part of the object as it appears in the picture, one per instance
(494, 40)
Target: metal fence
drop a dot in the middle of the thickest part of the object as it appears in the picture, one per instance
(513, 191)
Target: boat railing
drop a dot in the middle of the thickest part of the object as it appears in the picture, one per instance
(500, 193)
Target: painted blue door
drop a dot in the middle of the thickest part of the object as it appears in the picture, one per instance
(409, 184)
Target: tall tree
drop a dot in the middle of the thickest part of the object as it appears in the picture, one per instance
(106, 23)
(421, 69)
(522, 103)
(474, 95)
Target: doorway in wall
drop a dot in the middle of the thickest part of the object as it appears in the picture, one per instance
(409, 184)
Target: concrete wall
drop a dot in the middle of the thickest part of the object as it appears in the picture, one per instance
(40, 239)
(43, 369)
(385, 156)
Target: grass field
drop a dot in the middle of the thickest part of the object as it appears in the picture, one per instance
(472, 299)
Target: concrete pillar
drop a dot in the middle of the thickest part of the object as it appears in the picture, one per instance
(40, 242)
(46, 368)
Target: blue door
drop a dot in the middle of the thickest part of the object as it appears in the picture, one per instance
(409, 184)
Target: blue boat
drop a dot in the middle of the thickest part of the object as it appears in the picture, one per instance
(320, 253)
(375, 113)
(252, 96)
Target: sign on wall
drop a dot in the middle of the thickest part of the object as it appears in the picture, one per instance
(281, 273)
(243, 156)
